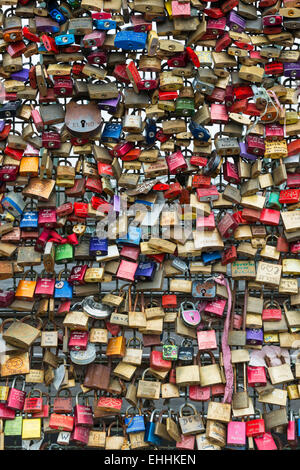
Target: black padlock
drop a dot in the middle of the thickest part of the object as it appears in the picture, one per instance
(186, 352)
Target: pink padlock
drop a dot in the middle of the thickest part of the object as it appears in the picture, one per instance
(6, 413)
(216, 307)
(266, 442)
(187, 442)
(44, 286)
(206, 340)
(36, 117)
(78, 340)
(236, 433)
(47, 218)
(80, 435)
(198, 393)
(83, 414)
(206, 223)
(16, 397)
(176, 162)
(127, 270)
(191, 317)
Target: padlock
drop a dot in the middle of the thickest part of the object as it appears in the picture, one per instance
(16, 397)
(190, 317)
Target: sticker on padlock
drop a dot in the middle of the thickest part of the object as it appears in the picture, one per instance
(204, 290)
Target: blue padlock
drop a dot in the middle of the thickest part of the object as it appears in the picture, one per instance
(199, 132)
(145, 271)
(134, 423)
(130, 40)
(213, 257)
(55, 13)
(105, 25)
(149, 431)
(98, 246)
(62, 289)
(14, 203)
(64, 39)
(150, 129)
(112, 132)
(132, 238)
(41, 49)
(29, 220)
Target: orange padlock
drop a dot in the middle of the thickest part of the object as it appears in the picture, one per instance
(25, 289)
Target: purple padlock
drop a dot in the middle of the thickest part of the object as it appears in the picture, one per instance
(117, 204)
(20, 75)
(254, 337)
(235, 22)
(109, 105)
(245, 154)
(2, 125)
(191, 317)
(292, 69)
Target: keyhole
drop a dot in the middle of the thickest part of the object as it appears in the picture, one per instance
(82, 123)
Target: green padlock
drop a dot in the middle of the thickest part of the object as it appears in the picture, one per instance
(273, 202)
(64, 253)
(170, 350)
(185, 107)
(13, 427)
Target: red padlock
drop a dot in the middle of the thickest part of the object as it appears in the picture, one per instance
(83, 414)
(158, 363)
(33, 404)
(229, 255)
(16, 397)
(44, 287)
(81, 209)
(64, 209)
(231, 173)
(255, 427)
(77, 274)
(269, 216)
(51, 140)
(201, 181)
(173, 191)
(169, 301)
(227, 225)
(47, 218)
(289, 196)
(78, 340)
(176, 162)
(256, 376)
(243, 92)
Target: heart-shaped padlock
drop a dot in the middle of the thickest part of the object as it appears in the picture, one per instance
(190, 317)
